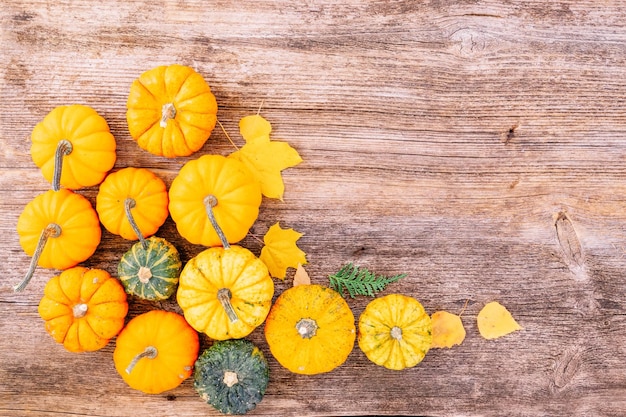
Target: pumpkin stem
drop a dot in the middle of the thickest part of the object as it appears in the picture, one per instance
(306, 328)
(64, 147)
(52, 230)
(168, 111)
(80, 310)
(223, 295)
(396, 333)
(230, 378)
(210, 201)
(144, 274)
(149, 352)
(130, 203)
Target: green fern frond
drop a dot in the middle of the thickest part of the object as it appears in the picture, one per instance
(360, 281)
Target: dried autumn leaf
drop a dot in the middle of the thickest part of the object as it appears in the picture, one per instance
(280, 251)
(301, 277)
(263, 157)
(448, 330)
(494, 321)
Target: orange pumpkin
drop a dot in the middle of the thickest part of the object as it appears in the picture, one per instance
(214, 190)
(132, 203)
(310, 329)
(156, 351)
(83, 308)
(59, 229)
(171, 111)
(75, 137)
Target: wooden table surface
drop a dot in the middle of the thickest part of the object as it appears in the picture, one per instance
(478, 146)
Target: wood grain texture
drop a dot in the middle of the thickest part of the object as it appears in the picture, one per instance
(476, 145)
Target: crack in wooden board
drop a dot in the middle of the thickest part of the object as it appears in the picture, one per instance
(572, 249)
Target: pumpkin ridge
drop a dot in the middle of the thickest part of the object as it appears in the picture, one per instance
(191, 78)
(85, 322)
(60, 331)
(68, 283)
(95, 139)
(183, 103)
(149, 91)
(90, 124)
(63, 310)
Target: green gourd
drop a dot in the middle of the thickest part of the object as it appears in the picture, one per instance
(232, 376)
(150, 269)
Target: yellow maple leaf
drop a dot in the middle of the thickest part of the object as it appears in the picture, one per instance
(254, 128)
(448, 330)
(280, 251)
(265, 158)
(494, 321)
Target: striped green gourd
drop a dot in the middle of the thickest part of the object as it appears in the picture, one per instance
(150, 271)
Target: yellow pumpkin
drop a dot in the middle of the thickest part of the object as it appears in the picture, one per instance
(59, 229)
(83, 308)
(75, 137)
(214, 189)
(225, 293)
(310, 329)
(395, 331)
(156, 351)
(132, 203)
(171, 111)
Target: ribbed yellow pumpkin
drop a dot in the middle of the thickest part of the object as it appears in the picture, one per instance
(225, 293)
(395, 331)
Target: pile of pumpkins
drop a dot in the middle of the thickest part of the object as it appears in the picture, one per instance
(225, 291)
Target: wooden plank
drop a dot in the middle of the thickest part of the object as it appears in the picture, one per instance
(477, 146)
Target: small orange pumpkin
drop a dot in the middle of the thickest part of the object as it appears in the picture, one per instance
(76, 137)
(213, 190)
(171, 111)
(59, 229)
(83, 308)
(132, 203)
(156, 351)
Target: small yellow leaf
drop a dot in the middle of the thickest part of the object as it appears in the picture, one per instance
(448, 330)
(265, 158)
(494, 321)
(280, 251)
(254, 128)
(301, 277)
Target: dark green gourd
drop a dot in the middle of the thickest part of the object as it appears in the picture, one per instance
(150, 272)
(232, 376)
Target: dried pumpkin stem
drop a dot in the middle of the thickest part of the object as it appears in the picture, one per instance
(307, 328)
(223, 295)
(129, 204)
(210, 201)
(396, 333)
(230, 378)
(168, 111)
(80, 310)
(64, 147)
(52, 230)
(149, 352)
